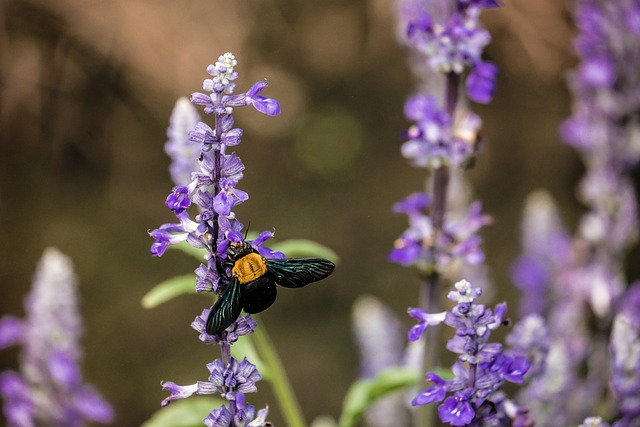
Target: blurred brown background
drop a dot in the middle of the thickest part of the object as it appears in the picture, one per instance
(86, 89)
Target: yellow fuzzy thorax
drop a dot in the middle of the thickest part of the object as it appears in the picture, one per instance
(249, 268)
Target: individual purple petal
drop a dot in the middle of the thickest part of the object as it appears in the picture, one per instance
(632, 19)
(163, 239)
(517, 367)
(11, 331)
(92, 406)
(597, 72)
(424, 320)
(256, 89)
(220, 417)
(481, 82)
(262, 237)
(261, 419)
(200, 98)
(177, 391)
(232, 167)
(420, 107)
(429, 395)
(268, 106)
(199, 325)
(422, 23)
(64, 370)
(415, 203)
(406, 252)
(205, 136)
(178, 200)
(232, 137)
(19, 407)
(456, 410)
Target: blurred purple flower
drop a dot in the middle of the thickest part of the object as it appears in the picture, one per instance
(421, 246)
(481, 82)
(183, 152)
(49, 390)
(546, 252)
(584, 278)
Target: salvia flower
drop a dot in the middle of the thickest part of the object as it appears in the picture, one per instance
(445, 39)
(204, 207)
(422, 246)
(584, 280)
(226, 380)
(213, 186)
(547, 251)
(474, 396)
(452, 44)
(604, 128)
(435, 139)
(244, 416)
(49, 390)
(183, 152)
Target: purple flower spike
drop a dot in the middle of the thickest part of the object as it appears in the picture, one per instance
(50, 390)
(482, 367)
(203, 200)
(183, 152)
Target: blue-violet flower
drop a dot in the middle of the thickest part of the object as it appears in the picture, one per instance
(49, 390)
(474, 396)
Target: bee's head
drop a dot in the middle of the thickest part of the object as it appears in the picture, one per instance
(238, 249)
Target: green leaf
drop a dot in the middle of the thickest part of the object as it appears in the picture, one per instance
(183, 413)
(294, 248)
(169, 289)
(364, 393)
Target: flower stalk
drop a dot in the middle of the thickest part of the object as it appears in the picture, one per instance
(212, 191)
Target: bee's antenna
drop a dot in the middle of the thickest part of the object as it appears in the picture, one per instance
(247, 230)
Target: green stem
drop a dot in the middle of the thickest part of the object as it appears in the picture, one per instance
(282, 389)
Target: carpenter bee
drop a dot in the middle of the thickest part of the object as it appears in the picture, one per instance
(252, 284)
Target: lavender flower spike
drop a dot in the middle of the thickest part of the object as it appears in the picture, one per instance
(49, 390)
(207, 192)
(474, 396)
(183, 152)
